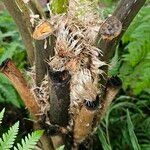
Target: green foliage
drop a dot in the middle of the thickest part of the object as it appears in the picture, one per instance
(1, 115)
(7, 92)
(133, 137)
(28, 143)
(10, 42)
(119, 132)
(59, 6)
(7, 140)
(114, 65)
(135, 71)
(103, 140)
(10, 47)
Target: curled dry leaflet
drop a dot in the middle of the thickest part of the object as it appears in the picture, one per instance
(76, 52)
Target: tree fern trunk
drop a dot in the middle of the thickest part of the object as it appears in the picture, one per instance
(75, 97)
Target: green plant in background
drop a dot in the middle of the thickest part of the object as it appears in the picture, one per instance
(10, 41)
(135, 71)
(7, 140)
(10, 47)
(127, 122)
(135, 68)
(114, 65)
(120, 130)
(59, 6)
(132, 135)
(7, 92)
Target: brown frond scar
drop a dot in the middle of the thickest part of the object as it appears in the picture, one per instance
(111, 28)
(125, 13)
(16, 78)
(42, 30)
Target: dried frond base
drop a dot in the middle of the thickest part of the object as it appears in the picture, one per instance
(75, 52)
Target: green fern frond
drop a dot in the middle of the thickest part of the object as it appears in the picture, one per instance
(30, 141)
(135, 72)
(1, 115)
(7, 140)
(138, 37)
(141, 20)
(133, 137)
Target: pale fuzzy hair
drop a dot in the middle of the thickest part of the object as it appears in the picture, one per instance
(76, 52)
(75, 49)
(83, 87)
(72, 40)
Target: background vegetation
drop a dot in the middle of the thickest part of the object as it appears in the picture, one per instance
(127, 123)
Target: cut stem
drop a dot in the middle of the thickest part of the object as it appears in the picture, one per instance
(18, 81)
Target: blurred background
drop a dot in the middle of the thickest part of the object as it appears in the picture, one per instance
(127, 123)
